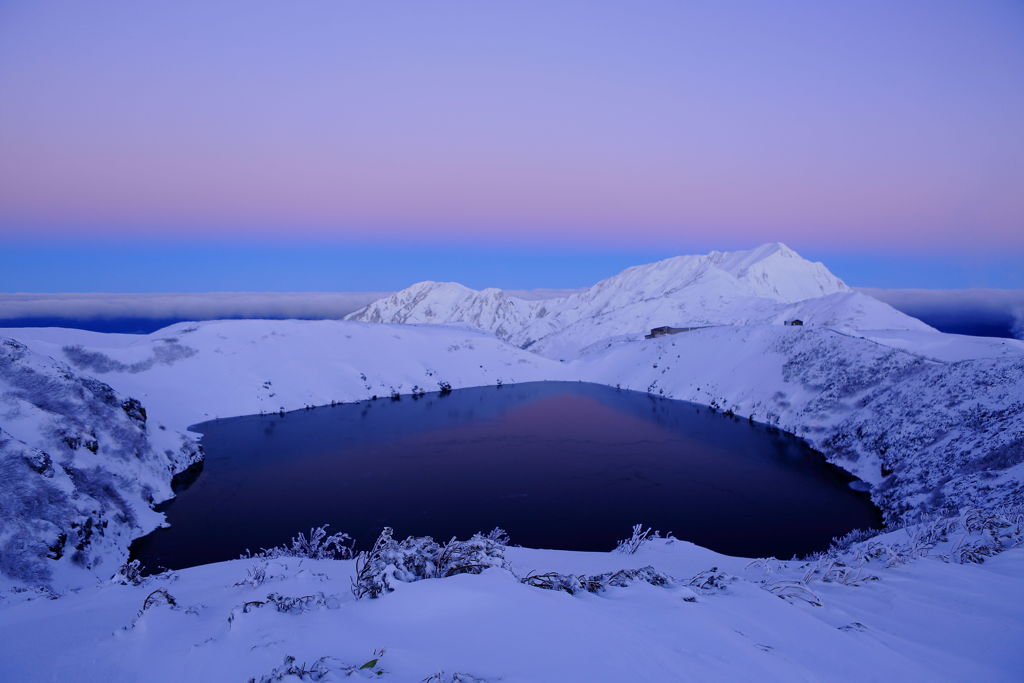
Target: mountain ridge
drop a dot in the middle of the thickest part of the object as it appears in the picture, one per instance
(761, 285)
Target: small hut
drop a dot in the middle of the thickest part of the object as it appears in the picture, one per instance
(795, 322)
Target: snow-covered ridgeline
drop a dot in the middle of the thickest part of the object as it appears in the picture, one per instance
(769, 284)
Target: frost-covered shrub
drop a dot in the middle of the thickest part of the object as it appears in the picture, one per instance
(421, 557)
(134, 409)
(791, 591)
(318, 546)
(299, 604)
(847, 540)
(639, 537)
(597, 583)
(973, 552)
(129, 574)
(454, 677)
(40, 462)
(285, 604)
(157, 598)
(971, 537)
(711, 581)
(256, 576)
(324, 668)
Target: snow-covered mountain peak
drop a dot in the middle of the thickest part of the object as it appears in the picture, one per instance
(445, 288)
(718, 288)
(772, 271)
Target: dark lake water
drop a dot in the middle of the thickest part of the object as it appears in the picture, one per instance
(557, 464)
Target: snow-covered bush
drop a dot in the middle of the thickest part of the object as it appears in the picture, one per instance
(299, 604)
(639, 537)
(157, 598)
(421, 557)
(711, 581)
(256, 576)
(129, 574)
(323, 668)
(597, 583)
(971, 537)
(318, 546)
(791, 591)
(454, 677)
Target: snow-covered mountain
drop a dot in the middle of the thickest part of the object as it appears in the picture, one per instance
(491, 310)
(765, 285)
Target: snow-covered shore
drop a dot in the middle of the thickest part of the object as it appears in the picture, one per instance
(931, 421)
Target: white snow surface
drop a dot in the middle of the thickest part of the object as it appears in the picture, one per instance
(933, 422)
(923, 621)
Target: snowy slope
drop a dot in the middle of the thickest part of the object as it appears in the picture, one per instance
(80, 466)
(769, 284)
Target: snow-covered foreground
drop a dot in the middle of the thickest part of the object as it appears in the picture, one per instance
(926, 620)
(94, 425)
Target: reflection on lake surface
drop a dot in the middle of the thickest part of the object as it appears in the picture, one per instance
(557, 464)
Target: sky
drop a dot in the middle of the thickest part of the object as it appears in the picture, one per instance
(245, 145)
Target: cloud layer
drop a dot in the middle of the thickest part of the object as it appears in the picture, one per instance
(200, 306)
(999, 312)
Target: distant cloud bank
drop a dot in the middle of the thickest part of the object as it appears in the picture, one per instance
(199, 306)
(985, 312)
(143, 313)
(988, 312)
